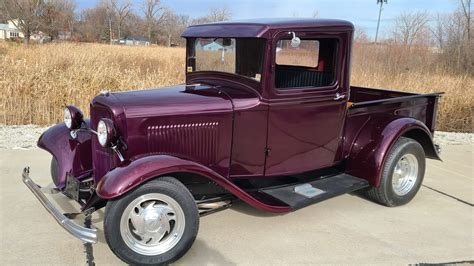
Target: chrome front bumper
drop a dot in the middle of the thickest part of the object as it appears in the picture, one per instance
(88, 235)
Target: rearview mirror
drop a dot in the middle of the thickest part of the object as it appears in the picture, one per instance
(226, 42)
(295, 41)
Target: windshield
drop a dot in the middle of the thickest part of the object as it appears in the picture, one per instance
(241, 56)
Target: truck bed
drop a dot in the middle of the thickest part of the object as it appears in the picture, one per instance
(367, 105)
(367, 102)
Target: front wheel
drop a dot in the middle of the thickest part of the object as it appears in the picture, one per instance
(154, 224)
(402, 174)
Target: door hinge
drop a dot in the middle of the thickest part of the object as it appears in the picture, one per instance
(267, 151)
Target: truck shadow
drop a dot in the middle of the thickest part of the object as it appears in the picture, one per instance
(201, 254)
(244, 208)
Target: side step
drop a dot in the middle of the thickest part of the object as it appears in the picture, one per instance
(301, 195)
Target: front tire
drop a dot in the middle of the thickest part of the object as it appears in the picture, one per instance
(154, 224)
(402, 174)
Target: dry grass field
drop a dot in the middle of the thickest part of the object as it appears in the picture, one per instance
(37, 82)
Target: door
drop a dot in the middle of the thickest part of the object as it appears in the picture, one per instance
(308, 102)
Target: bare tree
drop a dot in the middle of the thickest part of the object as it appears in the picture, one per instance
(410, 28)
(57, 15)
(214, 15)
(154, 14)
(3, 17)
(121, 9)
(169, 26)
(438, 30)
(219, 14)
(466, 11)
(360, 36)
(172, 27)
(110, 16)
(458, 50)
(93, 24)
(24, 14)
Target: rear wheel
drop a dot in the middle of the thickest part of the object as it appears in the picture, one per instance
(154, 224)
(402, 174)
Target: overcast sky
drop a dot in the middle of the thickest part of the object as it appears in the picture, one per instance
(363, 13)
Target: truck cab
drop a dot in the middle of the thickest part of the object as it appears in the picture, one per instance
(266, 115)
(292, 72)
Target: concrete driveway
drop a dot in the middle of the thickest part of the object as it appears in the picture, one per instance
(437, 226)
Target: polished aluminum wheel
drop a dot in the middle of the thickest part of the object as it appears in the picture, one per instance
(405, 174)
(152, 224)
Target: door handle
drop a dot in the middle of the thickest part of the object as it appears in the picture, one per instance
(339, 96)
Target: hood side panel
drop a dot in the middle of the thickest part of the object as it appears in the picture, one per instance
(204, 138)
(192, 122)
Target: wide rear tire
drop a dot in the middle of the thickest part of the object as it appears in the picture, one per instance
(154, 224)
(402, 174)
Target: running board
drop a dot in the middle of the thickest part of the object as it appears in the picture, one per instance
(301, 195)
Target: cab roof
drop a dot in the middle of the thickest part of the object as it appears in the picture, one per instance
(260, 28)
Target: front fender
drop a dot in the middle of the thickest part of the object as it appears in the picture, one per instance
(370, 148)
(134, 173)
(72, 155)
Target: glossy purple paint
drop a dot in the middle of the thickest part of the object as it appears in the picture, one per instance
(226, 127)
(262, 28)
(72, 155)
(368, 150)
(133, 173)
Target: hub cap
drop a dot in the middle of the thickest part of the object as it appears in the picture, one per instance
(405, 174)
(152, 224)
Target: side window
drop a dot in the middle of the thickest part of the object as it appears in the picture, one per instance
(311, 64)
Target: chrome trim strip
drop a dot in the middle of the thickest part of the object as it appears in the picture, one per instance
(88, 235)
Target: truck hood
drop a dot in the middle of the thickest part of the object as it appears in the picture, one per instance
(174, 100)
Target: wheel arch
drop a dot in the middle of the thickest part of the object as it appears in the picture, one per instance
(132, 174)
(425, 141)
(198, 184)
(369, 151)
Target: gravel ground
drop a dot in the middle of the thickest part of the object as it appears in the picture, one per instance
(24, 137)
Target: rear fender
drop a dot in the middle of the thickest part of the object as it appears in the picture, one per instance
(371, 146)
(72, 155)
(134, 173)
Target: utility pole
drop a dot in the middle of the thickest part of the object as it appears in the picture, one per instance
(381, 2)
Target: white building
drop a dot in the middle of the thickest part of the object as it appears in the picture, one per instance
(213, 46)
(9, 30)
(132, 40)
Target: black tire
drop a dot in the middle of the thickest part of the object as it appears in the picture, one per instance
(54, 168)
(115, 209)
(175, 181)
(385, 194)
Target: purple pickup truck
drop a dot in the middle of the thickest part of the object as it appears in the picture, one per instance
(267, 116)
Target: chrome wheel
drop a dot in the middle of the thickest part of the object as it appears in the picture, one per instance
(152, 224)
(405, 174)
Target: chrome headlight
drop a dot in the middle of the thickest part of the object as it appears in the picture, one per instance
(73, 117)
(105, 132)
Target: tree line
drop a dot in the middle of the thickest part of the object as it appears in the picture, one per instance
(449, 35)
(107, 21)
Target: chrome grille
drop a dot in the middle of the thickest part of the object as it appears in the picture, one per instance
(102, 159)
